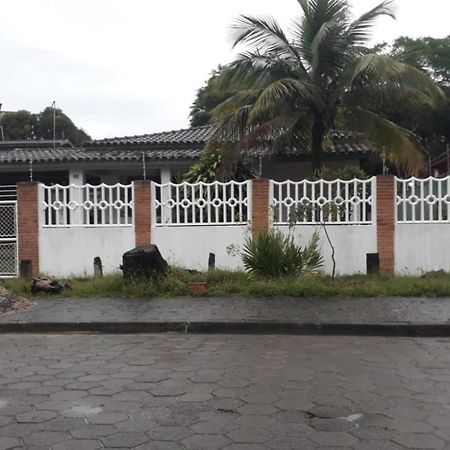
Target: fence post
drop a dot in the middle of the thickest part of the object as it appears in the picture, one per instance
(260, 207)
(386, 204)
(28, 211)
(142, 212)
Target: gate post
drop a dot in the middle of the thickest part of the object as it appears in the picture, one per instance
(260, 207)
(142, 212)
(386, 204)
(28, 226)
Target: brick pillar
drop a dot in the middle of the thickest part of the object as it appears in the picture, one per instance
(260, 207)
(386, 223)
(142, 212)
(28, 227)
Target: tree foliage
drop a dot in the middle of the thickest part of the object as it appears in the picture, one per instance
(432, 56)
(208, 97)
(207, 169)
(26, 125)
(291, 88)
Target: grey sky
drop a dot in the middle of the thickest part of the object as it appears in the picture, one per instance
(132, 67)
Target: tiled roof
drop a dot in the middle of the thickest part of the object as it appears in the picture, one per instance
(178, 145)
(195, 135)
(35, 143)
(50, 155)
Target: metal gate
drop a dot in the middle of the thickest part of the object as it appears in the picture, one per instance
(9, 265)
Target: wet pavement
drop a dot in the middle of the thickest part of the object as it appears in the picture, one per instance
(169, 392)
(353, 310)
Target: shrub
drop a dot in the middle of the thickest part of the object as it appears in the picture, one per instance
(207, 169)
(275, 255)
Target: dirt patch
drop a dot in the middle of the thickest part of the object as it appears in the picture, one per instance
(10, 302)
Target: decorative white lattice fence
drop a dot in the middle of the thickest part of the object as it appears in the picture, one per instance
(87, 205)
(423, 200)
(201, 204)
(329, 202)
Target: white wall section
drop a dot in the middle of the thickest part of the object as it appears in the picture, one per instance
(421, 248)
(70, 252)
(189, 247)
(352, 243)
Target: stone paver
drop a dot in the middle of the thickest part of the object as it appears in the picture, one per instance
(170, 392)
(356, 310)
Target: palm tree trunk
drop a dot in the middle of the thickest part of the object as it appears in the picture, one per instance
(318, 135)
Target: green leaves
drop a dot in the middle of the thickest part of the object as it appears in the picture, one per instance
(360, 31)
(310, 75)
(276, 255)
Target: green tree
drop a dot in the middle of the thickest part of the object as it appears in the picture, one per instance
(18, 125)
(293, 88)
(432, 56)
(208, 97)
(26, 125)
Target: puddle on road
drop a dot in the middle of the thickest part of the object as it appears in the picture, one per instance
(82, 410)
(353, 419)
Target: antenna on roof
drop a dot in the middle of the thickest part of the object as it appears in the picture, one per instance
(1, 126)
(54, 123)
(385, 167)
(144, 168)
(448, 159)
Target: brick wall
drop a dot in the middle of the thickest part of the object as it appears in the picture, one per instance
(28, 225)
(260, 207)
(142, 208)
(386, 223)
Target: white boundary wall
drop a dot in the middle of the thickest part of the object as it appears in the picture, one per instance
(189, 247)
(352, 243)
(68, 239)
(345, 208)
(190, 221)
(422, 234)
(70, 252)
(421, 248)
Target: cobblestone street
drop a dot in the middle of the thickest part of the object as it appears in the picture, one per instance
(169, 392)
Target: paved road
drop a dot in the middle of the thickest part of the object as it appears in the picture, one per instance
(169, 392)
(356, 310)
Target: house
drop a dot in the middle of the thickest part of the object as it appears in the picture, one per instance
(160, 157)
(440, 166)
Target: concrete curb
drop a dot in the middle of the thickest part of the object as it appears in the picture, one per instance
(390, 329)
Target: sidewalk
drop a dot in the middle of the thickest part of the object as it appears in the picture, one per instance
(374, 316)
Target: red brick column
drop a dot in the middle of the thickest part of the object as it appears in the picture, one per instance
(386, 223)
(28, 226)
(142, 212)
(260, 207)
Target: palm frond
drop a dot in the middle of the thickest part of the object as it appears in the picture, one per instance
(288, 90)
(402, 148)
(373, 69)
(263, 34)
(360, 31)
(255, 70)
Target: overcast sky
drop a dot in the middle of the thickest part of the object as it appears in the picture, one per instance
(132, 67)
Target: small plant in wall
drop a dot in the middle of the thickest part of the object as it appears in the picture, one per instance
(315, 212)
(275, 255)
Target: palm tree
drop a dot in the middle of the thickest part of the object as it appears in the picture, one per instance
(293, 89)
